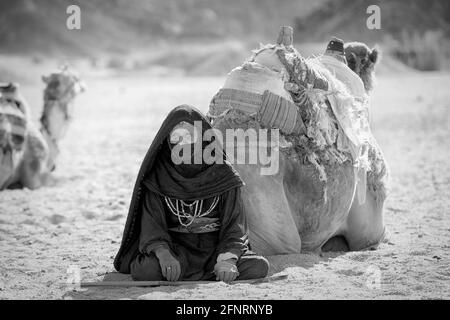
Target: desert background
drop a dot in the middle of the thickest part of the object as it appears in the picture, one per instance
(139, 59)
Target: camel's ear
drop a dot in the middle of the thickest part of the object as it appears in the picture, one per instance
(374, 55)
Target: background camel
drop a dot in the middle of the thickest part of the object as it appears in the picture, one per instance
(362, 60)
(28, 154)
(312, 202)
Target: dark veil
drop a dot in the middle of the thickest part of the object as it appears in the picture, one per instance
(214, 180)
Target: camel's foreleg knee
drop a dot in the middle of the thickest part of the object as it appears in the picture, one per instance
(31, 174)
(365, 227)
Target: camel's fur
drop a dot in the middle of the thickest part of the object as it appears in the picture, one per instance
(36, 158)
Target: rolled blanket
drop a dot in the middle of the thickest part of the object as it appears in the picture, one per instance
(226, 99)
(258, 91)
(271, 110)
(277, 112)
(256, 78)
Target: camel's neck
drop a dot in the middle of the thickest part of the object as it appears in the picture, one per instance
(55, 117)
(52, 143)
(54, 122)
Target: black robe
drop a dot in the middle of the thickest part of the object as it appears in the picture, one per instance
(158, 177)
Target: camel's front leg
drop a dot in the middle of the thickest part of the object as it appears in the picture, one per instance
(365, 224)
(31, 176)
(272, 228)
(6, 169)
(34, 168)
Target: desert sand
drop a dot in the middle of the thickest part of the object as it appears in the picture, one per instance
(78, 221)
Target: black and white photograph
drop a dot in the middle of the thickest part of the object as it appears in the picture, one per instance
(230, 150)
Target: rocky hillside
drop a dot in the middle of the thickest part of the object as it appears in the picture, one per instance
(415, 32)
(211, 36)
(39, 26)
(347, 19)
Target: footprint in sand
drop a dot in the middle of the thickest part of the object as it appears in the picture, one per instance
(361, 257)
(30, 222)
(349, 272)
(4, 222)
(114, 217)
(89, 215)
(57, 219)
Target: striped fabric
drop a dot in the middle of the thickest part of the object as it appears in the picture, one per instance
(13, 122)
(247, 102)
(272, 110)
(277, 112)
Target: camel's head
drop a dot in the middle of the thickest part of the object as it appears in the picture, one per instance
(62, 87)
(13, 128)
(362, 60)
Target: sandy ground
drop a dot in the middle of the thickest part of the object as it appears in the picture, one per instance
(79, 220)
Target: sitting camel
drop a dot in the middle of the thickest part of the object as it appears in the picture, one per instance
(27, 154)
(314, 198)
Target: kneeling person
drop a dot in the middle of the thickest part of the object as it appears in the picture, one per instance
(186, 221)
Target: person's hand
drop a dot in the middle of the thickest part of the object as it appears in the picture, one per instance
(170, 267)
(226, 270)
